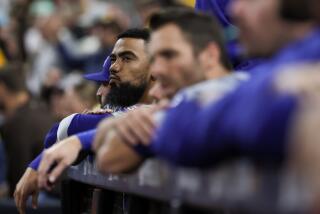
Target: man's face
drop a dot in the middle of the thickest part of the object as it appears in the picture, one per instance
(129, 62)
(261, 28)
(129, 72)
(173, 63)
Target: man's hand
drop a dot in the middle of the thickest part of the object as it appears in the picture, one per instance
(137, 126)
(114, 156)
(303, 134)
(56, 159)
(133, 127)
(28, 185)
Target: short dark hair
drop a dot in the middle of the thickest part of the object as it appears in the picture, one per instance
(199, 29)
(12, 78)
(135, 33)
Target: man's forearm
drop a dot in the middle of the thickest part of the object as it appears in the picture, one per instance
(115, 156)
(86, 139)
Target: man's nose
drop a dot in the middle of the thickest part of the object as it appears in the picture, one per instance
(115, 67)
(156, 92)
(157, 67)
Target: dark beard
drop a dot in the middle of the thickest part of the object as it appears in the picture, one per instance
(125, 95)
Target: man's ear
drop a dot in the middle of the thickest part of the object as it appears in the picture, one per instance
(209, 58)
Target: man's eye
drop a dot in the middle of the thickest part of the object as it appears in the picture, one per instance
(169, 54)
(112, 60)
(126, 59)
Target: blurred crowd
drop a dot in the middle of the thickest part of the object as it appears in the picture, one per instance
(195, 83)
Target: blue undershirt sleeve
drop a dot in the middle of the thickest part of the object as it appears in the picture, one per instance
(86, 139)
(36, 162)
(84, 122)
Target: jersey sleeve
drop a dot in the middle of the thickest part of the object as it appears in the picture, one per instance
(251, 122)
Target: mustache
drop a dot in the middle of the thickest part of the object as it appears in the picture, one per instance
(114, 77)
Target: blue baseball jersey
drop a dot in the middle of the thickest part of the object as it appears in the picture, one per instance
(217, 8)
(251, 121)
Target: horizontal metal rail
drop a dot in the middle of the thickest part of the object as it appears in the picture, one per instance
(237, 186)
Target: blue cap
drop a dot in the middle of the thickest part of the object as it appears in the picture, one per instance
(101, 76)
(218, 8)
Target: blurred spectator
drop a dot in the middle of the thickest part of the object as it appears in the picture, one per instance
(100, 22)
(65, 37)
(106, 31)
(8, 43)
(81, 97)
(43, 56)
(54, 99)
(146, 8)
(70, 95)
(18, 24)
(4, 8)
(26, 123)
